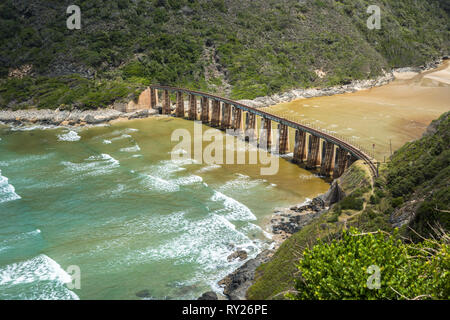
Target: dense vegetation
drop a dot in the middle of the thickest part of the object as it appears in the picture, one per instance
(412, 193)
(241, 49)
(342, 269)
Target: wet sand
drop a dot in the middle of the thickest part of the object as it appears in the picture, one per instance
(395, 113)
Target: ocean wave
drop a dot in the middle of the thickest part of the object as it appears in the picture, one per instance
(21, 236)
(234, 210)
(188, 180)
(94, 165)
(25, 159)
(70, 136)
(159, 184)
(209, 168)
(36, 270)
(134, 148)
(7, 190)
(123, 136)
(242, 182)
(206, 242)
(39, 268)
(33, 127)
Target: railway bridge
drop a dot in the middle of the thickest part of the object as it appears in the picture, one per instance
(315, 148)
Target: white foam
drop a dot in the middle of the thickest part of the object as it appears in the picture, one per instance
(94, 165)
(188, 180)
(209, 168)
(22, 236)
(34, 127)
(7, 190)
(69, 136)
(38, 269)
(134, 148)
(242, 182)
(234, 210)
(159, 184)
(105, 141)
(204, 242)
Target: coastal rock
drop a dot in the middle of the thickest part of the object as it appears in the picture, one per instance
(237, 283)
(288, 221)
(241, 254)
(210, 295)
(143, 294)
(333, 195)
(68, 118)
(261, 102)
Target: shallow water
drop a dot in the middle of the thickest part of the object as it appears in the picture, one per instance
(389, 115)
(110, 200)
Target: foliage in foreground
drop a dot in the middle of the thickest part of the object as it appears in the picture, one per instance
(338, 270)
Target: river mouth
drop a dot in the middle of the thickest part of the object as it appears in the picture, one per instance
(111, 200)
(386, 116)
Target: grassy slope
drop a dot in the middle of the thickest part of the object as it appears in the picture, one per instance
(417, 180)
(258, 47)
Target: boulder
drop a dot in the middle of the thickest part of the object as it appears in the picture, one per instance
(241, 254)
(210, 295)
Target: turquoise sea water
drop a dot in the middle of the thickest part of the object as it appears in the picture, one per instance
(110, 200)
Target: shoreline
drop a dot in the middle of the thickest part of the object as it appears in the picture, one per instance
(354, 86)
(76, 118)
(283, 224)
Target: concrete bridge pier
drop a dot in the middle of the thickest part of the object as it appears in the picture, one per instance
(341, 163)
(205, 110)
(216, 113)
(180, 105)
(300, 149)
(314, 155)
(283, 139)
(237, 121)
(227, 118)
(192, 107)
(327, 166)
(265, 136)
(251, 133)
(153, 98)
(166, 103)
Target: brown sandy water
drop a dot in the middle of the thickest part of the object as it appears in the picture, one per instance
(395, 113)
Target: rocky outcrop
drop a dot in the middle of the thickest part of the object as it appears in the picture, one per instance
(333, 195)
(236, 284)
(210, 295)
(239, 254)
(295, 94)
(287, 221)
(68, 118)
(143, 294)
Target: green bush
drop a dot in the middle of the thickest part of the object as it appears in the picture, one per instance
(397, 202)
(352, 203)
(339, 270)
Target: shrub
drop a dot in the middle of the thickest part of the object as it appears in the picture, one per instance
(352, 203)
(339, 270)
(397, 202)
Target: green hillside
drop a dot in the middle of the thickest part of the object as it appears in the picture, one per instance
(237, 48)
